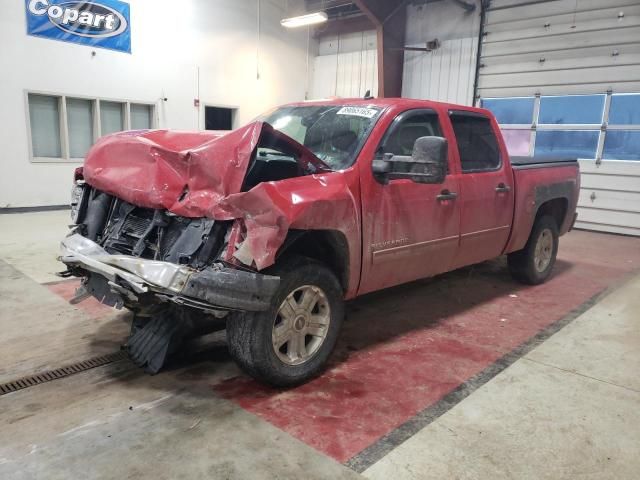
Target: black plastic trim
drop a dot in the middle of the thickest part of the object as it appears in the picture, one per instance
(232, 289)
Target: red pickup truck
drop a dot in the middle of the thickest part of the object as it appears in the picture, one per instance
(268, 229)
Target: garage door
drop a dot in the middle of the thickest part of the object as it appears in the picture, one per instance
(563, 78)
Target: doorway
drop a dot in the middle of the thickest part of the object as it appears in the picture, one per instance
(218, 118)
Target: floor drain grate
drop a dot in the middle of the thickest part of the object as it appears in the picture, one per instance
(26, 382)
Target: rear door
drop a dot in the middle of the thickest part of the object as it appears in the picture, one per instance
(410, 230)
(486, 188)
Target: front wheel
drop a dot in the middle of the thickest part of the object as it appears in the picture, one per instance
(290, 343)
(533, 264)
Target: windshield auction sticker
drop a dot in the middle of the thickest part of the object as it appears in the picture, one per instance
(358, 112)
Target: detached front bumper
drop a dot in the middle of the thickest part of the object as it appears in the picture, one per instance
(213, 288)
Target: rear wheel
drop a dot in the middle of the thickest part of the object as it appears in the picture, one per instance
(290, 343)
(533, 264)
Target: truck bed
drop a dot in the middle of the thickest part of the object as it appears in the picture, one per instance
(528, 162)
(538, 180)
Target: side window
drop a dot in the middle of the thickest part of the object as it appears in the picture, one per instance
(412, 126)
(476, 141)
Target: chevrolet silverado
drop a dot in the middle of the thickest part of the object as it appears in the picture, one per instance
(266, 230)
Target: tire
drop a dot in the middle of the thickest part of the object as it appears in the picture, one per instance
(533, 264)
(251, 335)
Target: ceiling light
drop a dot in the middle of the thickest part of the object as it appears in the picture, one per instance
(302, 20)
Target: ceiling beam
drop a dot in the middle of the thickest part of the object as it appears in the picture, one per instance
(389, 19)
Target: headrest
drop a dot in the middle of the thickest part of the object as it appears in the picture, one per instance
(409, 134)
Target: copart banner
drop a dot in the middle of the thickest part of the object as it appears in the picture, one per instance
(99, 23)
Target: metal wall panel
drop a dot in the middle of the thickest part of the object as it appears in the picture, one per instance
(556, 42)
(561, 47)
(444, 75)
(608, 10)
(521, 10)
(345, 67)
(562, 89)
(614, 74)
(524, 64)
(610, 200)
(447, 73)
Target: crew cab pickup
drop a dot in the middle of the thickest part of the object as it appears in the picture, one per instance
(266, 230)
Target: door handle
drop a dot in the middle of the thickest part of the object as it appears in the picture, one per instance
(502, 188)
(446, 195)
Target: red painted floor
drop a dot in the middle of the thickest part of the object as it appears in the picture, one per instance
(403, 349)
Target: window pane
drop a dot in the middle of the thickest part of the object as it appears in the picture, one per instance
(80, 124)
(625, 109)
(44, 115)
(518, 141)
(510, 110)
(572, 109)
(141, 116)
(404, 135)
(569, 143)
(477, 143)
(111, 118)
(622, 145)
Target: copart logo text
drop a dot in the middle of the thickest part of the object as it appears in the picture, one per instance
(86, 19)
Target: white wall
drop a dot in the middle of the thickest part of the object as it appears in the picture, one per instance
(446, 74)
(171, 41)
(346, 66)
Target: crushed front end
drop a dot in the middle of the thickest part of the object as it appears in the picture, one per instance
(180, 227)
(167, 269)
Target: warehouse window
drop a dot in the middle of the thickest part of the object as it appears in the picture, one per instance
(518, 141)
(567, 143)
(572, 110)
(63, 128)
(111, 117)
(625, 109)
(602, 126)
(141, 116)
(79, 126)
(44, 116)
(622, 145)
(511, 111)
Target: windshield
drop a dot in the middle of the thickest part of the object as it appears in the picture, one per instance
(334, 133)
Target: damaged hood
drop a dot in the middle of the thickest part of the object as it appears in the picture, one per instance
(189, 174)
(185, 173)
(201, 175)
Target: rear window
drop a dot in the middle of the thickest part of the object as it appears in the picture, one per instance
(477, 143)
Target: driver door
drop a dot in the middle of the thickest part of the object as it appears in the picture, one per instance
(410, 230)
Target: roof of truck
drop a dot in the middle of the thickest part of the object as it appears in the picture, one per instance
(390, 102)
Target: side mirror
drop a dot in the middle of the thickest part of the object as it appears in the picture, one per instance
(427, 163)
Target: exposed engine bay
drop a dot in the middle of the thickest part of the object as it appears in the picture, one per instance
(148, 257)
(165, 268)
(123, 228)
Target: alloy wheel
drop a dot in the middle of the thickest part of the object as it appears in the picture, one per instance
(301, 325)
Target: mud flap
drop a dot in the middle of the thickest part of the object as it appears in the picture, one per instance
(151, 342)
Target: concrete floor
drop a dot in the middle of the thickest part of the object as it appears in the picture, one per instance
(468, 375)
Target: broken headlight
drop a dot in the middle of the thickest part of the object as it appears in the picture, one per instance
(78, 201)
